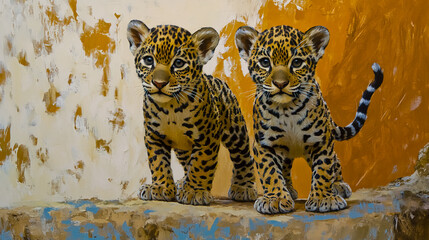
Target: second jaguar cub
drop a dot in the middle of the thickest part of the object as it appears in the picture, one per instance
(291, 118)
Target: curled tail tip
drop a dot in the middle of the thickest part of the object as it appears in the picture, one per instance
(376, 68)
(378, 72)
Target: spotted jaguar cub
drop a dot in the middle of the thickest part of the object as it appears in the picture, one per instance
(291, 118)
(189, 112)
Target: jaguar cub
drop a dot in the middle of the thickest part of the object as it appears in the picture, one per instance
(291, 118)
(189, 112)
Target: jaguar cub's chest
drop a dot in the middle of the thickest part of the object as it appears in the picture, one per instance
(287, 129)
(181, 124)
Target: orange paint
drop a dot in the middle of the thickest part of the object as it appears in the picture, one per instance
(53, 18)
(72, 4)
(118, 120)
(105, 82)
(362, 32)
(50, 99)
(5, 149)
(44, 44)
(4, 74)
(97, 42)
(22, 59)
(124, 185)
(42, 155)
(80, 164)
(77, 114)
(102, 144)
(33, 139)
(22, 162)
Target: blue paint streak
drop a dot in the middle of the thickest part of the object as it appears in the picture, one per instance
(115, 232)
(78, 231)
(127, 231)
(201, 230)
(5, 235)
(46, 213)
(91, 206)
(148, 211)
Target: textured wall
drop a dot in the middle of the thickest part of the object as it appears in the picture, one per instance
(70, 102)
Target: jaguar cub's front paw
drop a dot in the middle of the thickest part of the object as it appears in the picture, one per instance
(242, 193)
(156, 192)
(272, 205)
(325, 204)
(187, 195)
(342, 189)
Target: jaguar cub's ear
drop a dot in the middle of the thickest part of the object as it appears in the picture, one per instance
(317, 38)
(206, 40)
(245, 37)
(136, 33)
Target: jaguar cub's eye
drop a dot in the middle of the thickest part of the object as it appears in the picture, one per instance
(297, 62)
(178, 63)
(264, 62)
(148, 61)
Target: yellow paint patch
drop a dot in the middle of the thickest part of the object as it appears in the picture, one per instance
(5, 149)
(22, 162)
(105, 81)
(102, 144)
(77, 114)
(33, 139)
(97, 42)
(78, 170)
(4, 75)
(118, 120)
(42, 155)
(72, 4)
(124, 185)
(50, 99)
(22, 59)
(44, 44)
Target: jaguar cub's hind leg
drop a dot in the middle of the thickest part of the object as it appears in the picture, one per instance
(184, 158)
(287, 168)
(276, 198)
(242, 187)
(198, 181)
(340, 187)
(323, 196)
(162, 187)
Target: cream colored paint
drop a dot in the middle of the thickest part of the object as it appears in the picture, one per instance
(22, 107)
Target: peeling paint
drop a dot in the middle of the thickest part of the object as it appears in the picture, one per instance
(102, 144)
(118, 119)
(50, 99)
(5, 149)
(22, 59)
(22, 162)
(42, 155)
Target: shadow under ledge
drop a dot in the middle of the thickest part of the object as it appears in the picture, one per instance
(399, 210)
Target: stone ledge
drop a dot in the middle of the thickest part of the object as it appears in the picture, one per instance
(399, 210)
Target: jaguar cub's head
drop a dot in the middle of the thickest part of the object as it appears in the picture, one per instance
(168, 58)
(282, 60)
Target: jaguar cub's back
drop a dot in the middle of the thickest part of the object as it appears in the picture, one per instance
(188, 112)
(291, 118)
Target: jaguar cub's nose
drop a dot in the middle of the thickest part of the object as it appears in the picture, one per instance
(159, 84)
(280, 84)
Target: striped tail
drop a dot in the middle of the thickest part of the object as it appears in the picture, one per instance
(344, 133)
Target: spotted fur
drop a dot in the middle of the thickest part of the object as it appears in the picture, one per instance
(189, 112)
(291, 118)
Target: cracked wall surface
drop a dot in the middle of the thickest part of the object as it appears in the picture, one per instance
(70, 102)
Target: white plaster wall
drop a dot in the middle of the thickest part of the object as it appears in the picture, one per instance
(74, 167)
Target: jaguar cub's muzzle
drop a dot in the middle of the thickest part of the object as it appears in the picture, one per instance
(161, 76)
(280, 83)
